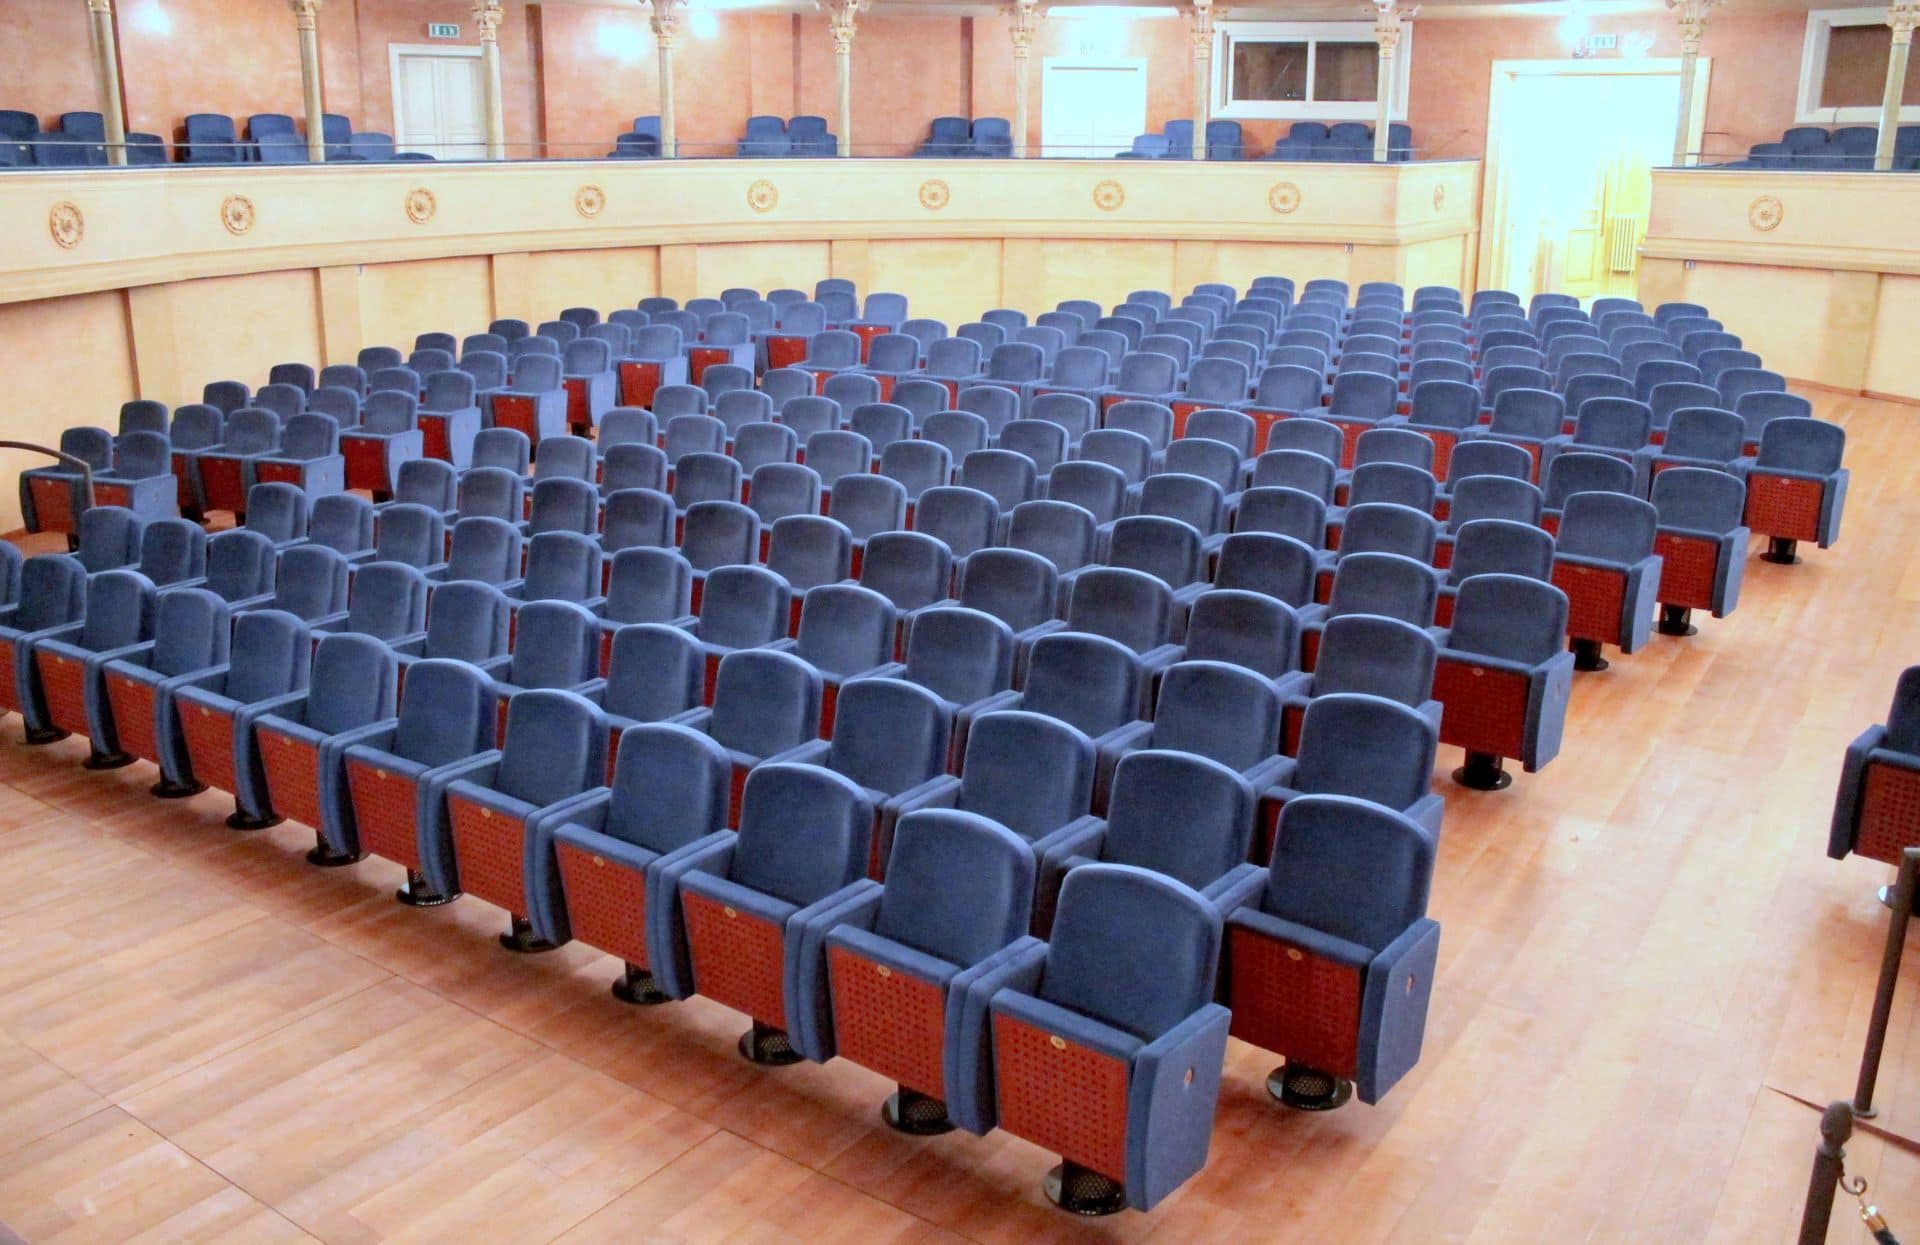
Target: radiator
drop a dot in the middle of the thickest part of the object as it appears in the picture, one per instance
(1625, 252)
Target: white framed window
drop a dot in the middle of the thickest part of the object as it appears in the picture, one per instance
(1843, 69)
(1303, 71)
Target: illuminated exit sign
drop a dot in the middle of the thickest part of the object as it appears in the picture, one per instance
(442, 30)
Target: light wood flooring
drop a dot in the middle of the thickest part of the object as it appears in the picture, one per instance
(1647, 961)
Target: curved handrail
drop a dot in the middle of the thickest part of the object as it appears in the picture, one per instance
(80, 465)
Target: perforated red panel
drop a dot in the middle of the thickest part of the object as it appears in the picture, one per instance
(1322, 587)
(52, 504)
(489, 847)
(1180, 412)
(829, 701)
(1550, 523)
(224, 485)
(1777, 506)
(606, 902)
(786, 351)
(183, 492)
(293, 774)
(366, 464)
(132, 705)
(112, 494)
(383, 808)
(866, 333)
(1687, 566)
(278, 473)
(737, 959)
(433, 437)
(1290, 719)
(1332, 538)
(577, 413)
(1349, 437)
(1309, 650)
(1889, 813)
(1263, 422)
(1443, 555)
(1443, 443)
(886, 385)
(9, 691)
(1593, 601)
(638, 381)
(513, 411)
(953, 391)
(63, 682)
(209, 735)
(1293, 1003)
(1062, 1096)
(1443, 610)
(700, 358)
(1484, 710)
(735, 786)
(889, 1021)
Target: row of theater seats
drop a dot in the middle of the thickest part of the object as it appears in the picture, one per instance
(1140, 577)
(204, 138)
(1349, 141)
(167, 677)
(1849, 147)
(1702, 514)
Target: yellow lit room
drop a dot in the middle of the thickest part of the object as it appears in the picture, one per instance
(959, 623)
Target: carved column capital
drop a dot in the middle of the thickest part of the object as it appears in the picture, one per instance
(1200, 28)
(487, 15)
(104, 7)
(1389, 23)
(306, 13)
(841, 15)
(1691, 17)
(1903, 17)
(1023, 16)
(664, 18)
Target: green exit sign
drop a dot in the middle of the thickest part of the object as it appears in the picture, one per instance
(442, 30)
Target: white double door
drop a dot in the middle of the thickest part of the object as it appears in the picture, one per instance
(1091, 108)
(439, 102)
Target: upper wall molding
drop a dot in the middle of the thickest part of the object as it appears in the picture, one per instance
(146, 227)
(1785, 220)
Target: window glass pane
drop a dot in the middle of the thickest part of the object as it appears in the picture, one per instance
(1345, 71)
(1269, 71)
(1856, 71)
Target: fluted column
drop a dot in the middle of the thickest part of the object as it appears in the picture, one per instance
(1691, 15)
(487, 15)
(840, 20)
(1201, 21)
(1902, 16)
(106, 68)
(1023, 14)
(1388, 25)
(666, 32)
(306, 16)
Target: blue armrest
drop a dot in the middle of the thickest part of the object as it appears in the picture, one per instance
(1171, 1099)
(672, 966)
(1846, 800)
(809, 997)
(1393, 1009)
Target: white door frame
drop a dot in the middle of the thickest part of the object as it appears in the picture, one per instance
(1493, 221)
(1136, 64)
(395, 51)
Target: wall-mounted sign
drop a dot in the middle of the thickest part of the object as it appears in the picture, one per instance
(442, 30)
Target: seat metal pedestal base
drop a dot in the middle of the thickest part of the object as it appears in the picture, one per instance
(240, 819)
(766, 1045)
(1084, 1191)
(1781, 551)
(167, 789)
(1885, 895)
(636, 987)
(521, 938)
(913, 1113)
(107, 760)
(323, 856)
(1677, 620)
(1586, 655)
(417, 894)
(1308, 1089)
(39, 736)
(1483, 772)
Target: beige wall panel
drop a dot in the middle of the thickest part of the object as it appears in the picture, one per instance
(44, 401)
(948, 279)
(761, 266)
(1442, 261)
(1238, 263)
(1037, 273)
(1807, 324)
(237, 328)
(398, 302)
(604, 280)
(1894, 367)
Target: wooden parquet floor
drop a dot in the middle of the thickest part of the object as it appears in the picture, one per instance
(1647, 960)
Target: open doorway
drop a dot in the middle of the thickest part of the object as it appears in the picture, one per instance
(439, 105)
(1091, 108)
(1571, 146)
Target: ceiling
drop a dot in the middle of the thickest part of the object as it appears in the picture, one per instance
(1284, 10)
